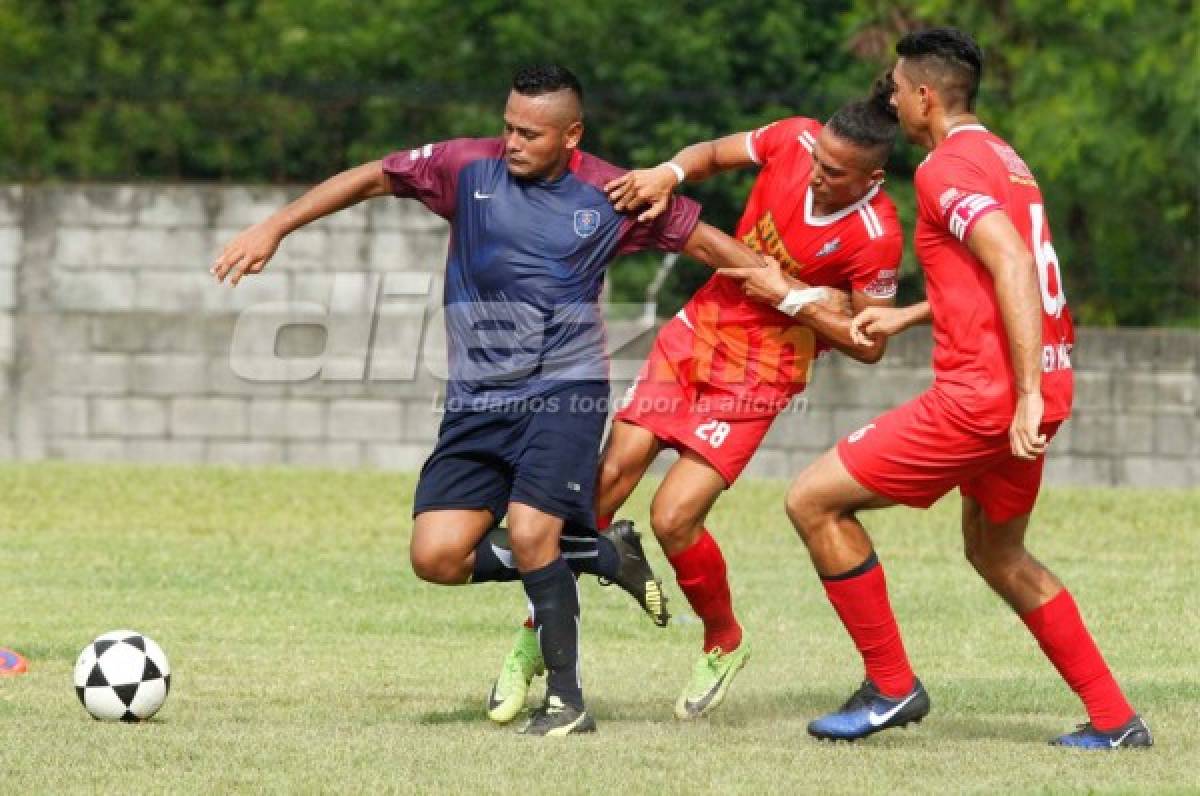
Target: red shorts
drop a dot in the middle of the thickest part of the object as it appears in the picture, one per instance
(723, 428)
(919, 451)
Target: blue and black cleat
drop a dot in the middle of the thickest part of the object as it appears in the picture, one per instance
(867, 712)
(1130, 735)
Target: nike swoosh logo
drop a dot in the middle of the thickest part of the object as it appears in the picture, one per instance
(1121, 740)
(877, 719)
(479, 195)
(505, 556)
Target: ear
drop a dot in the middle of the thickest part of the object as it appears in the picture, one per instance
(878, 176)
(927, 97)
(573, 134)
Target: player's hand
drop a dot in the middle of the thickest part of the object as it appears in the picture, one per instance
(1024, 436)
(636, 189)
(875, 323)
(248, 253)
(767, 284)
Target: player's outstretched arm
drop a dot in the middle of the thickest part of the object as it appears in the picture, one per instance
(251, 250)
(875, 322)
(827, 312)
(998, 245)
(715, 249)
(652, 188)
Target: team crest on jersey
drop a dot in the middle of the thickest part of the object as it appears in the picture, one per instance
(830, 247)
(884, 285)
(586, 222)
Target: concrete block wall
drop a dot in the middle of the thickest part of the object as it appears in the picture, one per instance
(116, 344)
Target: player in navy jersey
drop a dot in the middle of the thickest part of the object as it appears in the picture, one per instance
(532, 232)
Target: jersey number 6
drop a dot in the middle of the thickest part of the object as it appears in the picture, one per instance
(1049, 275)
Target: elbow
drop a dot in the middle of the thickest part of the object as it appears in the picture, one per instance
(870, 355)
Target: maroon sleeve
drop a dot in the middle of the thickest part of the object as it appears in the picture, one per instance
(669, 232)
(429, 173)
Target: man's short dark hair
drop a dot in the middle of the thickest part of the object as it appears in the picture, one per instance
(951, 58)
(869, 123)
(534, 81)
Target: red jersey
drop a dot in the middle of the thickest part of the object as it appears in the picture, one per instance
(970, 174)
(754, 348)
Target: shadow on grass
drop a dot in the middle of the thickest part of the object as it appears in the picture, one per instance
(738, 709)
(798, 707)
(466, 713)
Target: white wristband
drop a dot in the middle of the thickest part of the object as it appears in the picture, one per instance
(680, 174)
(797, 299)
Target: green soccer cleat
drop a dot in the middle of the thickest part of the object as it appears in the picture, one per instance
(710, 681)
(521, 665)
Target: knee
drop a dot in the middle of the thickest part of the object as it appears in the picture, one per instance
(803, 509)
(994, 564)
(609, 475)
(675, 528)
(435, 565)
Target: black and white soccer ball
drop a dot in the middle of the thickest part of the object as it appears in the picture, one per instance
(122, 676)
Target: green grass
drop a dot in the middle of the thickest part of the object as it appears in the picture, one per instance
(307, 657)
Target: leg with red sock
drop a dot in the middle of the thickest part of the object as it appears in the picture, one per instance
(891, 695)
(997, 551)
(701, 574)
(1060, 632)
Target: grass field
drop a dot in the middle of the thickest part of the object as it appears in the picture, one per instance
(307, 657)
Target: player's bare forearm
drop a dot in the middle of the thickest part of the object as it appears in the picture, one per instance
(998, 245)
(832, 321)
(336, 193)
(875, 320)
(917, 314)
(253, 248)
(715, 249)
(648, 191)
(704, 159)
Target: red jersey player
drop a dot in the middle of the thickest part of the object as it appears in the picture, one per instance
(1003, 384)
(726, 365)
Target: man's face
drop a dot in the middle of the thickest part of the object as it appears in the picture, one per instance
(540, 133)
(842, 172)
(909, 101)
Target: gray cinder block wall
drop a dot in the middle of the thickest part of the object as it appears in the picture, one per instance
(116, 344)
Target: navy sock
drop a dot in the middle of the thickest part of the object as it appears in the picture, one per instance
(494, 559)
(588, 553)
(555, 600)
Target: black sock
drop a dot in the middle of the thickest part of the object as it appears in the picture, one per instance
(588, 553)
(555, 601)
(494, 559)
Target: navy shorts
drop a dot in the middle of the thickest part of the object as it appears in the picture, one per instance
(541, 451)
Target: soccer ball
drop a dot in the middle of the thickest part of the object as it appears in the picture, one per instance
(122, 675)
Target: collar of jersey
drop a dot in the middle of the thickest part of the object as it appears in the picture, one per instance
(822, 221)
(962, 128)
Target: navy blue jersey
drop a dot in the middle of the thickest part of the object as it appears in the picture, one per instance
(526, 264)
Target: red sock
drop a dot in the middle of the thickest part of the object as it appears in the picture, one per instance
(700, 571)
(603, 521)
(1060, 632)
(861, 600)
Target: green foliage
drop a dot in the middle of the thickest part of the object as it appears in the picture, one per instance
(1100, 97)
